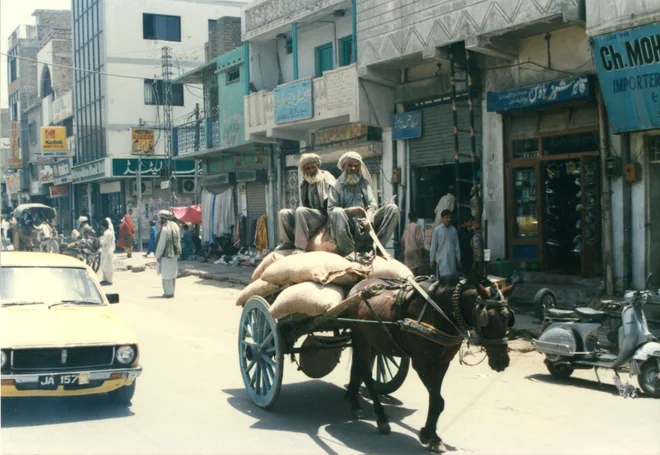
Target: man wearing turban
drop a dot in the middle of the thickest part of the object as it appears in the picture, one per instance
(352, 199)
(299, 225)
(168, 249)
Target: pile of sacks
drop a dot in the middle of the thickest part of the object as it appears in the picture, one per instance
(310, 283)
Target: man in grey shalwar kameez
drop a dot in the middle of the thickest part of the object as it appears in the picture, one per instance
(168, 249)
(445, 250)
(298, 225)
(350, 199)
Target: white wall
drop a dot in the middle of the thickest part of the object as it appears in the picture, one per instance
(494, 211)
(639, 213)
(127, 53)
(605, 16)
(263, 65)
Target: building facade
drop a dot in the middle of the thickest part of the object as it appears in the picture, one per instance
(127, 49)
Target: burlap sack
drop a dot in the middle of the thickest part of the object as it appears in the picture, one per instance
(307, 298)
(268, 260)
(317, 266)
(259, 287)
(323, 241)
(382, 268)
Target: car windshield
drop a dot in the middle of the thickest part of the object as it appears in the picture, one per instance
(47, 285)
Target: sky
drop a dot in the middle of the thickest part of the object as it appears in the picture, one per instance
(12, 14)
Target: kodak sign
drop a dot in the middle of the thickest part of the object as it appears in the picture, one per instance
(53, 139)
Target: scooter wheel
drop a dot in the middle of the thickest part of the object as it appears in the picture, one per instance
(559, 370)
(649, 377)
(543, 301)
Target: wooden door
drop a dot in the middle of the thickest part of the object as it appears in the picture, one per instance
(525, 214)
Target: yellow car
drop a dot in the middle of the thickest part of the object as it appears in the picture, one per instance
(58, 335)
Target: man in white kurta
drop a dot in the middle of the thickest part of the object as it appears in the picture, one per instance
(445, 250)
(168, 249)
(107, 241)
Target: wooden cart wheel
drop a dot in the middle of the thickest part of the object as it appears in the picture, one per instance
(389, 373)
(260, 353)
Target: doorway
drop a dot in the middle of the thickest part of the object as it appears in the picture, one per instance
(654, 218)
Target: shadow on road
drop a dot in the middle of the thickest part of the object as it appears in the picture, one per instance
(35, 411)
(316, 408)
(575, 382)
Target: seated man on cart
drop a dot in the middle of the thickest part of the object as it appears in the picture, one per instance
(298, 225)
(352, 206)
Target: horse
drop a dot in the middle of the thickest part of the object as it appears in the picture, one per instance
(470, 311)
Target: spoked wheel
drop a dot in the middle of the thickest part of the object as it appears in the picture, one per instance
(95, 263)
(389, 373)
(260, 353)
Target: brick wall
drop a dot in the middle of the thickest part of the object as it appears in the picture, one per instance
(51, 19)
(226, 37)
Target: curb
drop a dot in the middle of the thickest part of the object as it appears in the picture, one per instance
(203, 274)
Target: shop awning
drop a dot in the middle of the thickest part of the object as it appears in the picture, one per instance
(191, 214)
(196, 76)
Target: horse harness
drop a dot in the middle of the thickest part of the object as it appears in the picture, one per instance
(473, 335)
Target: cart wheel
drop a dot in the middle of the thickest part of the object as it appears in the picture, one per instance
(260, 353)
(389, 373)
(544, 300)
(96, 263)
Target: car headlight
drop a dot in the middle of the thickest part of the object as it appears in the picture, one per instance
(4, 359)
(125, 354)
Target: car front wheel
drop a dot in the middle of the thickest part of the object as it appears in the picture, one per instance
(123, 395)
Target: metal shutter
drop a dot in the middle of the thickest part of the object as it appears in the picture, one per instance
(256, 199)
(373, 164)
(436, 146)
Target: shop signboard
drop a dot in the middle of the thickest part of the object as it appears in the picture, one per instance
(407, 125)
(628, 67)
(62, 107)
(62, 172)
(53, 141)
(143, 141)
(293, 101)
(88, 172)
(570, 89)
(58, 191)
(13, 182)
(151, 167)
(35, 188)
(15, 161)
(46, 174)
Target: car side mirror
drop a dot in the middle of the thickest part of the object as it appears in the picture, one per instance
(112, 298)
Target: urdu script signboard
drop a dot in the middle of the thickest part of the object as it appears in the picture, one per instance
(293, 102)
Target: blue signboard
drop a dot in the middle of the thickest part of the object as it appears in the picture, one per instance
(569, 89)
(628, 67)
(293, 102)
(407, 125)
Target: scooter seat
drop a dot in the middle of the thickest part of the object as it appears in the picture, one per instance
(555, 313)
(590, 314)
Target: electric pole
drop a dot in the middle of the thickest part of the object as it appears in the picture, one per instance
(167, 111)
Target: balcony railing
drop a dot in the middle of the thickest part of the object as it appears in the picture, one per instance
(56, 33)
(196, 136)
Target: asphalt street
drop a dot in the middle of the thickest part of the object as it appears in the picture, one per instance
(191, 400)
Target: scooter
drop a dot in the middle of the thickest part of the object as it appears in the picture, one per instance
(569, 340)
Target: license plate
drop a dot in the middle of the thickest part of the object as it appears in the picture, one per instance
(53, 381)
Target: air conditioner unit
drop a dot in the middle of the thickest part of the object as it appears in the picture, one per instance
(147, 188)
(188, 186)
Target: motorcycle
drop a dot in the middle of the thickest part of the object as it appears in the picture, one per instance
(87, 251)
(569, 340)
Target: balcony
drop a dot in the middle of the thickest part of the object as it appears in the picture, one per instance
(22, 32)
(333, 100)
(55, 34)
(209, 135)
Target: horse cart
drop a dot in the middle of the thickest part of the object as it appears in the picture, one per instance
(264, 342)
(35, 228)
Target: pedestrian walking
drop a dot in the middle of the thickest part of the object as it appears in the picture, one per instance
(107, 251)
(413, 245)
(445, 250)
(153, 232)
(168, 249)
(187, 245)
(127, 233)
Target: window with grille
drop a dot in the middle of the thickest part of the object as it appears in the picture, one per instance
(233, 75)
(161, 27)
(154, 93)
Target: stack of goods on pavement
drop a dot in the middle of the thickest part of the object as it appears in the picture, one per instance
(310, 283)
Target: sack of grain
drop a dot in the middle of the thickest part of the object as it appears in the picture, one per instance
(317, 266)
(268, 260)
(259, 287)
(307, 298)
(323, 241)
(382, 268)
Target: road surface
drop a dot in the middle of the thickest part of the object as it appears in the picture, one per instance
(190, 399)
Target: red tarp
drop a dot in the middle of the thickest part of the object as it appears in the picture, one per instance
(192, 214)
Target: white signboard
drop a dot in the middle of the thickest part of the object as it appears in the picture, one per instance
(62, 107)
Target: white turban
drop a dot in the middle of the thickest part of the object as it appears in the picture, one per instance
(354, 156)
(307, 158)
(82, 219)
(166, 214)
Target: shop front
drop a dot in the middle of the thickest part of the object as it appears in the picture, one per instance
(552, 176)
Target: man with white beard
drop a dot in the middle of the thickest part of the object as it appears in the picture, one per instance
(352, 204)
(299, 225)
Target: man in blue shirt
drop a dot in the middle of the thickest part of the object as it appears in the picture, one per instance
(445, 250)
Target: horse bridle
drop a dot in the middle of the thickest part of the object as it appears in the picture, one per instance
(480, 315)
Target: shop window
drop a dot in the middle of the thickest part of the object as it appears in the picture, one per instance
(654, 149)
(571, 143)
(525, 148)
(524, 194)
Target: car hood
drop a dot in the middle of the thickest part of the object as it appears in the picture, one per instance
(36, 325)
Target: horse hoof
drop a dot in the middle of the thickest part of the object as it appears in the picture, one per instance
(438, 447)
(384, 427)
(358, 414)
